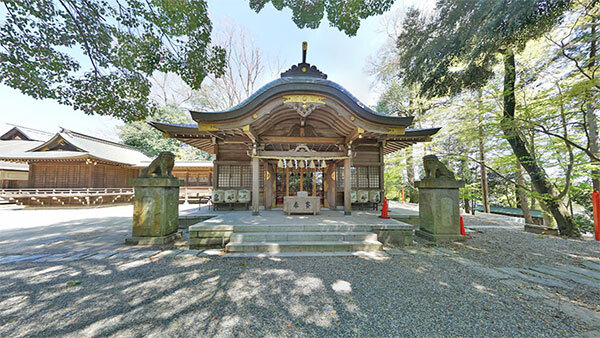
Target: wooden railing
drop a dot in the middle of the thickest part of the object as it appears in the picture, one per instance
(67, 196)
(42, 192)
(87, 196)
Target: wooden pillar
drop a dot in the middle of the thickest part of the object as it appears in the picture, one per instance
(287, 181)
(314, 182)
(301, 179)
(90, 176)
(255, 181)
(329, 183)
(347, 187)
(270, 178)
(31, 176)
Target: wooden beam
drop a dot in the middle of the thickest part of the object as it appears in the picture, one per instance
(304, 140)
(234, 139)
(292, 154)
(355, 134)
(249, 131)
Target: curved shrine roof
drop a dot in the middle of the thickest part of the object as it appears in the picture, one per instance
(305, 84)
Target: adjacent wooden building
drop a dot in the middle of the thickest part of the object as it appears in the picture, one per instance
(300, 132)
(71, 167)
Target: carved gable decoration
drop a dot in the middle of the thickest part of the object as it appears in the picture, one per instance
(303, 104)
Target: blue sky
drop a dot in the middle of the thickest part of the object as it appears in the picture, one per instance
(343, 58)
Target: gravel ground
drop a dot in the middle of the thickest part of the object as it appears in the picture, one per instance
(422, 290)
(406, 295)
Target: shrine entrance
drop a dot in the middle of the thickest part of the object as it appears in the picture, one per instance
(291, 180)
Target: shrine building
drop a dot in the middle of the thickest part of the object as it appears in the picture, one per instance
(299, 133)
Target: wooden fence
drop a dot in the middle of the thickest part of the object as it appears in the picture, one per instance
(67, 196)
(91, 196)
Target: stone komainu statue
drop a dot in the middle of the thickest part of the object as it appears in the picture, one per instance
(162, 166)
(436, 169)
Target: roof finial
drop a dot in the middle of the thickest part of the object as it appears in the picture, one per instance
(304, 48)
(303, 68)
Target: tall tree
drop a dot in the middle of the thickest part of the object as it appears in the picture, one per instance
(123, 43)
(577, 43)
(485, 201)
(456, 48)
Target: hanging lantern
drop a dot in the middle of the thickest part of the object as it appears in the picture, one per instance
(301, 164)
(323, 164)
(289, 164)
(312, 164)
(280, 164)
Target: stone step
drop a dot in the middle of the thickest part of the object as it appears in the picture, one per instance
(303, 228)
(302, 236)
(379, 255)
(304, 246)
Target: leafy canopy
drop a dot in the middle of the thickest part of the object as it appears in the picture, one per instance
(150, 141)
(457, 47)
(345, 15)
(122, 43)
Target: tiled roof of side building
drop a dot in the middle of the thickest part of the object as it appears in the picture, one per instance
(83, 146)
(31, 134)
(17, 146)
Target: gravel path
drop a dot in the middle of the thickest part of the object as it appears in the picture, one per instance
(407, 295)
(468, 289)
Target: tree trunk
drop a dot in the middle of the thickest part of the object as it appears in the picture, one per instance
(484, 180)
(538, 175)
(590, 114)
(523, 202)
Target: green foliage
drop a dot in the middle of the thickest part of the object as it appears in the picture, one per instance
(345, 15)
(457, 48)
(151, 142)
(122, 43)
(584, 222)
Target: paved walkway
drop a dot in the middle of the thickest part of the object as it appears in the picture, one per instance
(67, 272)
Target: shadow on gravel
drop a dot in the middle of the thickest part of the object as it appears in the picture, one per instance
(331, 296)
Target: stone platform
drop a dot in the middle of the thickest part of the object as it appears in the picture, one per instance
(275, 232)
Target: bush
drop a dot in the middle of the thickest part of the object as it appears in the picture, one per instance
(584, 222)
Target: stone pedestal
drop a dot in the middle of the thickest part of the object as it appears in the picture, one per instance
(439, 214)
(155, 210)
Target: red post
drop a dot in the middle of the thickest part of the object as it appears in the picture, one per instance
(462, 227)
(596, 207)
(384, 209)
(402, 194)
